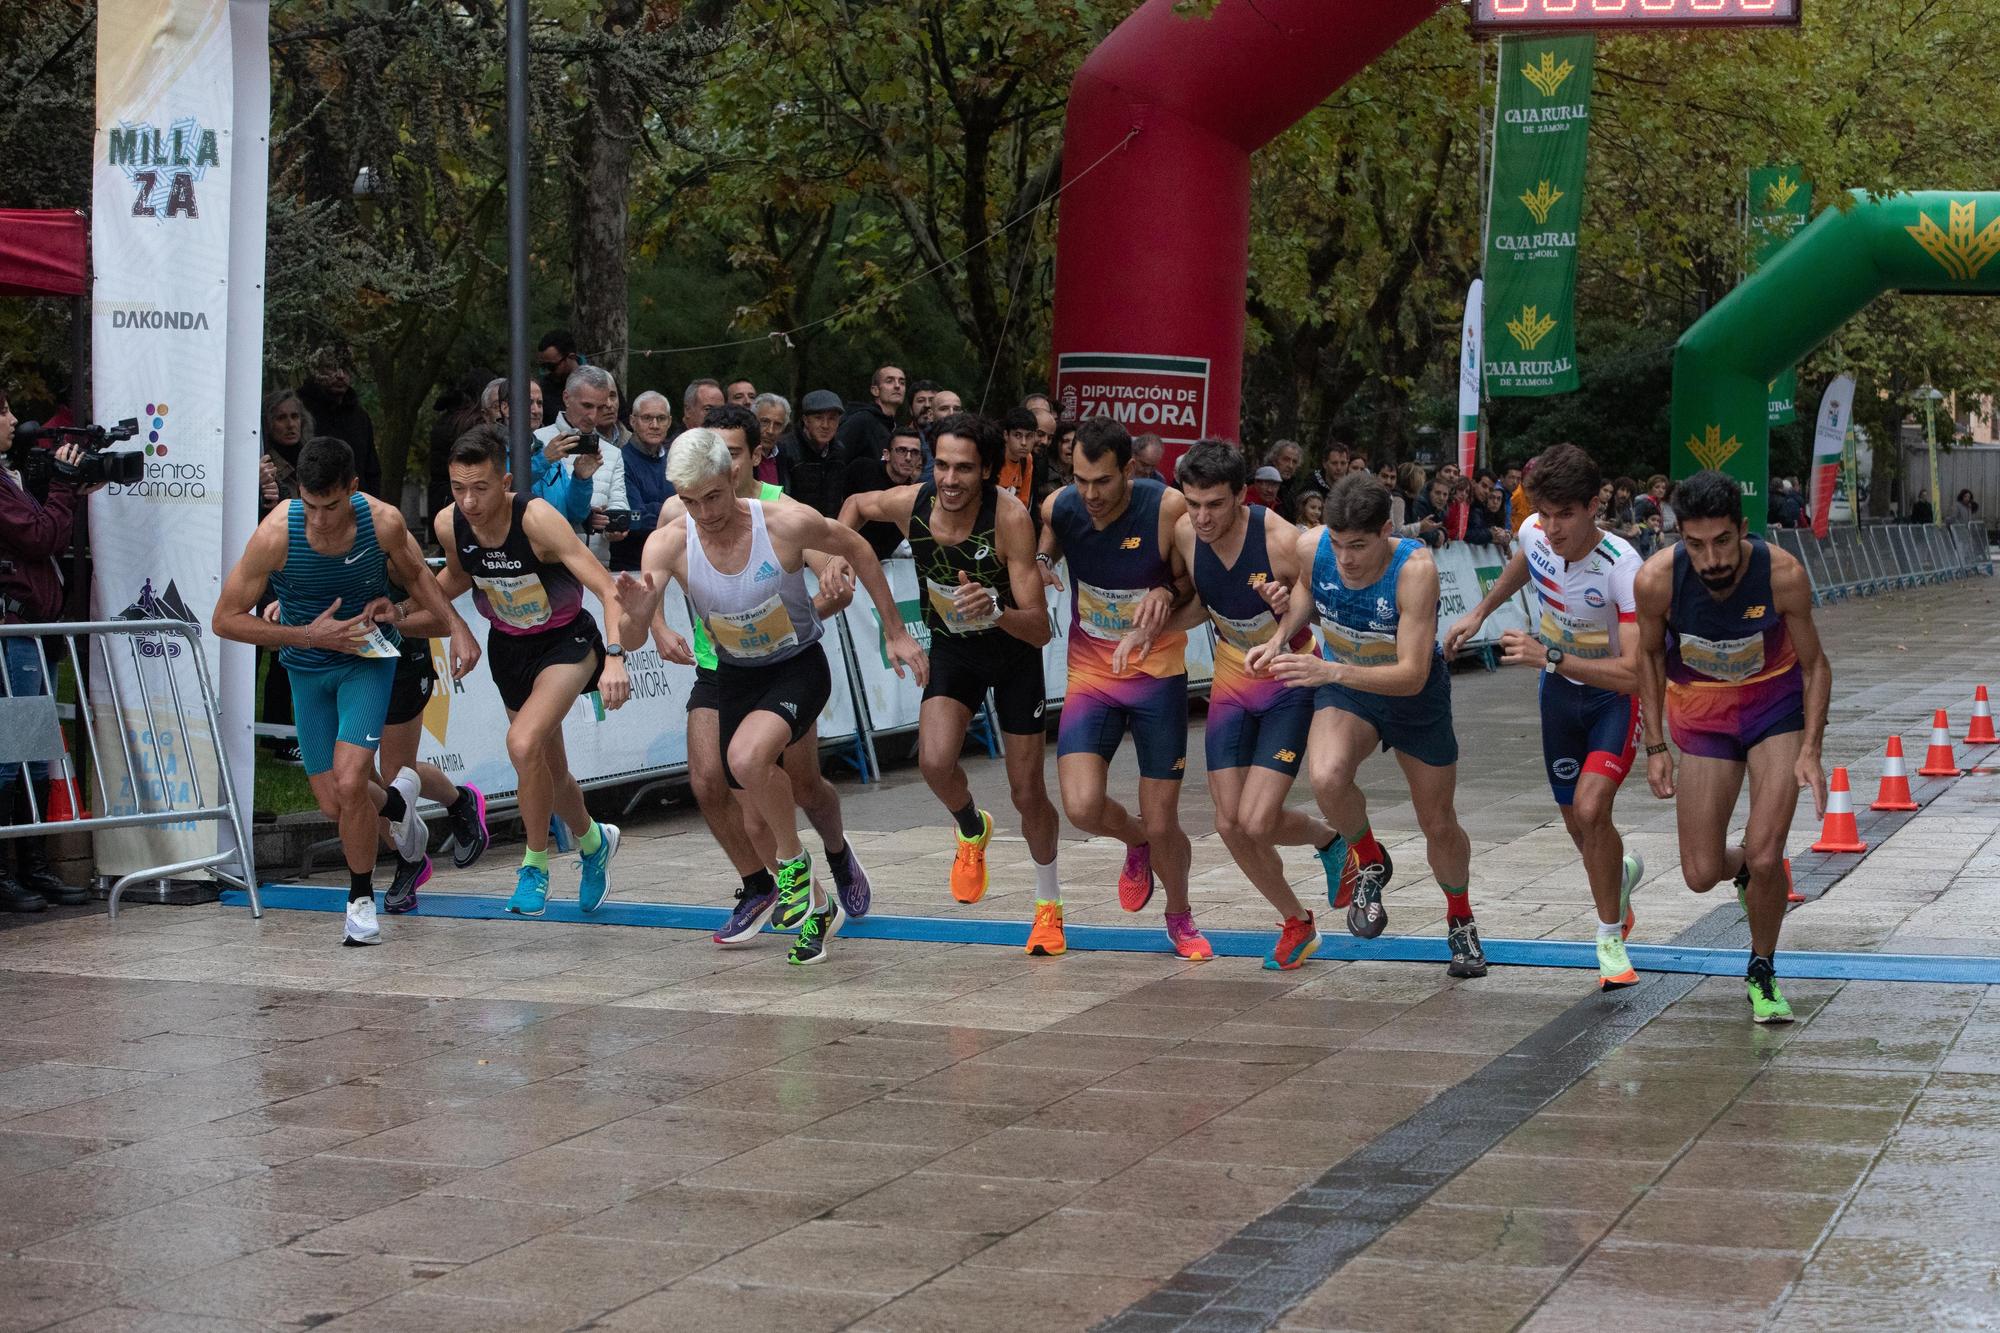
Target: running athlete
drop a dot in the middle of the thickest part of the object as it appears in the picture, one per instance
(974, 546)
(1116, 534)
(1586, 645)
(333, 547)
(728, 819)
(1256, 727)
(1727, 644)
(528, 570)
(742, 564)
(1386, 684)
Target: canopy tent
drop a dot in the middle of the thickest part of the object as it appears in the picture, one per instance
(44, 252)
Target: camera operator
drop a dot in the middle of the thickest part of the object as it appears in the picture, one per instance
(569, 451)
(33, 532)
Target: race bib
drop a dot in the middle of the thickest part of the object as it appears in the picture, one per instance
(377, 644)
(518, 601)
(1244, 634)
(1107, 613)
(1589, 640)
(1731, 660)
(764, 629)
(944, 601)
(1369, 648)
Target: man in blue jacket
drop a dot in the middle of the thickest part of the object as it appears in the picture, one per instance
(646, 484)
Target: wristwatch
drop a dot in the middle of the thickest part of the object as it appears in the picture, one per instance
(1556, 656)
(614, 650)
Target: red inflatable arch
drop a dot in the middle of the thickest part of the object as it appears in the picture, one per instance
(1152, 253)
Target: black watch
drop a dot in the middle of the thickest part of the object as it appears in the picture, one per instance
(1555, 656)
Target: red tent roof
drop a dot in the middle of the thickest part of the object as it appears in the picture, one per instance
(44, 252)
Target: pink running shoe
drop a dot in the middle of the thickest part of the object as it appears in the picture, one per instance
(1188, 941)
(1135, 882)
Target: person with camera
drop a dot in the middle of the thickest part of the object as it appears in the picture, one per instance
(569, 450)
(34, 530)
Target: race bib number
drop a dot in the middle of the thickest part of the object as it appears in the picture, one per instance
(377, 644)
(1107, 613)
(1589, 640)
(1731, 660)
(1244, 634)
(1368, 648)
(758, 632)
(944, 601)
(518, 602)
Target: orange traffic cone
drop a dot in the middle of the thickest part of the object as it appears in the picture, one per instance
(1938, 762)
(1894, 793)
(1839, 833)
(1982, 720)
(1792, 894)
(65, 801)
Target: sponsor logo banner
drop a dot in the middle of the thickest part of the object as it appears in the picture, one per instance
(1166, 395)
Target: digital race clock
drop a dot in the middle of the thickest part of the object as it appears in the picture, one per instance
(1491, 17)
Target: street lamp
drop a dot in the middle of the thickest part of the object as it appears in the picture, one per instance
(1931, 397)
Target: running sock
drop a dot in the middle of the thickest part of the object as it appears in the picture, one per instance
(970, 825)
(360, 884)
(539, 860)
(1608, 930)
(1457, 902)
(760, 883)
(842, 864)
(1331, 838)
(592, 839)
(393, 808)
(1365, 846)
(1048, 884)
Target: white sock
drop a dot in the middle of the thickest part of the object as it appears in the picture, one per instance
(1048, 884)
(1608, 929)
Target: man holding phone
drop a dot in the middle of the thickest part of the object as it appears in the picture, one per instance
(568, 450)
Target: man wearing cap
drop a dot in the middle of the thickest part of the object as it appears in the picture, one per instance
(1264, 486)
(810, 466)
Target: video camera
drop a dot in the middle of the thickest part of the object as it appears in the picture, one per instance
(98, 465)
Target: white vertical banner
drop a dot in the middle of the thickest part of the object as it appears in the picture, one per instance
(162, 350)
(1471, 365)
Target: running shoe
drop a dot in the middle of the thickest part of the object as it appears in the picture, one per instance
(1298, 940)
(795, 881)
(410, 834)
(1767, 1004)
(850, 881)
(362, 928)
(1366, 916)
(816, 932)
(752, 909)
(1045, 937)
(1467, 958)
(1188, 941)
(1135, 881)
(531, 892)
(1337, 860)
(596, 878)
(968, 866)
(402, 893)
(467, 819)
(1634, 871)
(1614, 969)
(289, 755)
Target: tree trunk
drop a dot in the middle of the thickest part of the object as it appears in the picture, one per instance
(601, 205)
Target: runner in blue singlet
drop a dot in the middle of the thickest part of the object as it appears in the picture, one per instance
(1384, 682)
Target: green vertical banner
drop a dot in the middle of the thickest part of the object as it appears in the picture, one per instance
(1541, 129)
(1780, 201)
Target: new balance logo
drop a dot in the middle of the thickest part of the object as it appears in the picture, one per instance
(1130, 543)
(1286, 756)
(767, 570)
(1754, 612)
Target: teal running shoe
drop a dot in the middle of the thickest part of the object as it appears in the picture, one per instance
(1333, 860)
(596, 880)
(531, 892)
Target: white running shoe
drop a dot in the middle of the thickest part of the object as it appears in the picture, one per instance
(361, 924)
(410, 834)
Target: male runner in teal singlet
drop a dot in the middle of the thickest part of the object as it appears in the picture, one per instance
(1386, 684)
(328, 550)
(1586, 644)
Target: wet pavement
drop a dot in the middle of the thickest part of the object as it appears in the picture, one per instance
(211, 1122)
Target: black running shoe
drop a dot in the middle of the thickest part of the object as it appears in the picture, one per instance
(816, 932)
(466, 818)
(1366, 916)
(402, 894)
(850, 881)
(1467, 958)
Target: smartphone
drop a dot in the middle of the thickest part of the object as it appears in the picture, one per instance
(588, 442)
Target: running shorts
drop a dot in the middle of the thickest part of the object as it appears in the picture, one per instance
(345, 702)
(796, 689)
(964, 668)
(1418, 725)
(515, 660)
(1095, 718)
(1586, 730)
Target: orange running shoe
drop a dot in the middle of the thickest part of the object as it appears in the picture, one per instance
(1135, 881)
(968, 868)
(1298, 940)
(1188, 941)
(1045, 937)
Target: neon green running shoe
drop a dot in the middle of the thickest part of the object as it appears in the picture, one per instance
(1767, 1003)
(1634, 871)
(794, 893)
(1614, 968)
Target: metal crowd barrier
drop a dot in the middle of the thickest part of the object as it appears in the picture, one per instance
(157, 716)
(1858, 562)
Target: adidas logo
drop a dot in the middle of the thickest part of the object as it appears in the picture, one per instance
(791, 709)
(767, 570)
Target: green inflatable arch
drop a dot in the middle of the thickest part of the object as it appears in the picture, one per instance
(1933, 242)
